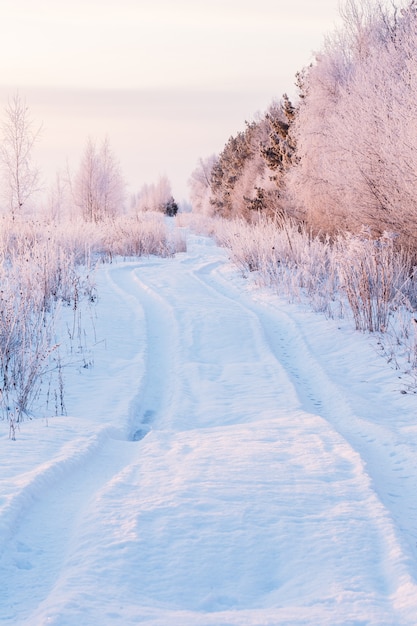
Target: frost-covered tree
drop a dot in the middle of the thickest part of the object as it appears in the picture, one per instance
(58, 201)
(356, 128)
(87, 182)
(279, 151)
(99, 188)
(200, 185)
(229, 170)
(20, 176)
(247, 178)
(112, 184)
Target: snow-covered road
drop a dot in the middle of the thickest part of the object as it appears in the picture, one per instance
(228, 459)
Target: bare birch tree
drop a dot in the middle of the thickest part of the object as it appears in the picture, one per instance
(99, 187)
(21, 177)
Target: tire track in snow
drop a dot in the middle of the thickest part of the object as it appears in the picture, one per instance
(392, 468)
(273, 373)
(205, 352)
(38, 525)
(199, 367)
(160, 386)
(231, 339)
(40, 542)
(308, 385)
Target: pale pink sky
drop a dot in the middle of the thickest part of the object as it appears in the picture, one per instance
(167, 80)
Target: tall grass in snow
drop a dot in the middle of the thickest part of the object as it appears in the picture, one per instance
(124, 236)
(143, 234)
(375, 277)
(37, 272)
(284, 257)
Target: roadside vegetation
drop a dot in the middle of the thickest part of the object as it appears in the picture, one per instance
(362, 279)
(45, 266)
(49, 248)
(317, 196)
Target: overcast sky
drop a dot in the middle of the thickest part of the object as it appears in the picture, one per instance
(167, 80)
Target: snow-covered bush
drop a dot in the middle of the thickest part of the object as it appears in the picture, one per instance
(374, 277)
(141, 235)
(284, 256)
(36, 273)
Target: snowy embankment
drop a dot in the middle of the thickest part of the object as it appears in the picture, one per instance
(227, 459)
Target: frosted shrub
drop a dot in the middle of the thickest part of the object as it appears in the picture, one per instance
(248, 244)
(141, 235)
(26, 333)
(373, 276)
(38, 270)
(284, 256)
(126, 236)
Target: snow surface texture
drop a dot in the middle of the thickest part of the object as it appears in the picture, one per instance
(230, 459)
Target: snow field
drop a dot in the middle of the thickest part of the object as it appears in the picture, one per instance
(227, 459)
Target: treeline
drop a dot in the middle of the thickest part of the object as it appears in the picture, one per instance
(249, 174)
(95, 192)
(343, 157)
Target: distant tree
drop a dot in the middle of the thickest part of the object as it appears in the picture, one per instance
(99, 188)
(171, 207)
(58, 198)
(200, 184)
(21, 177)
(227, 197)
(86, 184)
(112, 184)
